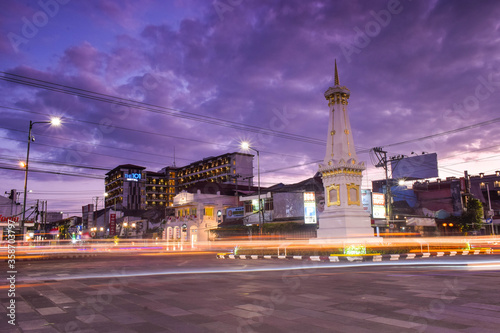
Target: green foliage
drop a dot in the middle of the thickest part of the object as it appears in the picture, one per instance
(472, 218)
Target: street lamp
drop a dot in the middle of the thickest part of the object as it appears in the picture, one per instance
(490, 215)
(54, 121)
(246, 146)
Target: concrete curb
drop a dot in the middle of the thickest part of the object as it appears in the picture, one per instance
(37, 257)
(345, 258)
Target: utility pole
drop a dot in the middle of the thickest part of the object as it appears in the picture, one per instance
(37, 210)
(44, 218)
(95, 211)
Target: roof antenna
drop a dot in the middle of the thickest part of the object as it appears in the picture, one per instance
(174, 156)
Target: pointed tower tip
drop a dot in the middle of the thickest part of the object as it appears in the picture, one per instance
(337, 83)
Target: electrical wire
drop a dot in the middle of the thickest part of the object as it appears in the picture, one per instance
(88, 94)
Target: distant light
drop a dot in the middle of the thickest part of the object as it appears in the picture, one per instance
(22, 164)
(245, 145)
(56, 121)
(401, 182)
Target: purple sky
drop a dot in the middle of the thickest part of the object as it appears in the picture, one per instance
(414, 68)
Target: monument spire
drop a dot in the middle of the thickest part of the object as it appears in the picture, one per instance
(340, 143)
(337, 83)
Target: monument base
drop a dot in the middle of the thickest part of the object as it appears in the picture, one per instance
(345, 223)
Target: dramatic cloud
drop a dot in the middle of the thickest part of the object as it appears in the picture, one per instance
(202, 70)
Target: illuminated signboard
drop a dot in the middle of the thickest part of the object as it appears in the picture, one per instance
(112, 224)
(133, 176)
(378, 208)
(378, 199)
(309, 208)
(378, 212)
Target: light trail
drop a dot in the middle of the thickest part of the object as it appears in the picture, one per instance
(455, 264)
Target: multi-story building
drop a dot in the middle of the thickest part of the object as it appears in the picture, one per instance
(125, 187)
(231, 168)
(160, 188)
(132, 187)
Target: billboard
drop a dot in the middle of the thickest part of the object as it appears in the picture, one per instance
(309, 208)
(415, 167)
(378, 205)
(366, 201)
(234, 213)
(288, 205)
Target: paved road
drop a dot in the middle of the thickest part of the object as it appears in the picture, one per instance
(198, 293)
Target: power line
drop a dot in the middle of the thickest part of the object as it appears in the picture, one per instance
(86, 152)
(9, 167)
(88, 94)
(138, 131)
(456, 130)
(10, 158)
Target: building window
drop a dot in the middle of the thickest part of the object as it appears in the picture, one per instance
(482, 186)
(268, 204)
(497, 183)
(209, 211)
(248, 207)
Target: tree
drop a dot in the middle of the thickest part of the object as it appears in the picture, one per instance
(471, 219)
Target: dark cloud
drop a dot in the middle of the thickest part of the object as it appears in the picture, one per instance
(414, 69)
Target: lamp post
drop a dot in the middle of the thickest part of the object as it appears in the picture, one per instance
(246, 146)
(53, 121)
(489, 209)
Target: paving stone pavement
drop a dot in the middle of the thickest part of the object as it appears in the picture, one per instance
(356, 299)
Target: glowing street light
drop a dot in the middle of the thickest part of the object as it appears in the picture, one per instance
(54, 121)
(246, 146)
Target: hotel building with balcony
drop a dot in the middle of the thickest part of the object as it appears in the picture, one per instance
(131, 187)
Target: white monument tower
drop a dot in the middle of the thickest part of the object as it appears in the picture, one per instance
(342, 174)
